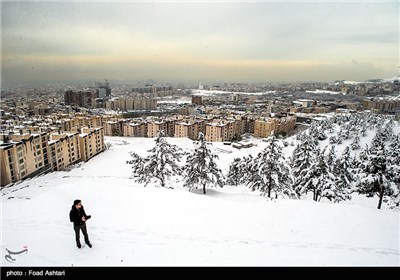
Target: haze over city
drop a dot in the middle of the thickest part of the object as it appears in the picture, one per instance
(176, 41)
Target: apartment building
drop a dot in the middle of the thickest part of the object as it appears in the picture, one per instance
(382, 105)
(155, 126)
(28, 154)
(132, 103)
(85, 99)
(56, 155)
(264, 127)
(91, 142)
(22, 155)
(135, 129)
(189, 128)
(114, 127)
(219, 130)
(70, 150)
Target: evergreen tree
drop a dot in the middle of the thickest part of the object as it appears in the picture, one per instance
(161, 164)
(319, 180)
(302, 159)
(387, 132)
(355, 145)
(394, 150)
(137, 163)
(393, 159)
(374, 178)
(344, 175)
(333, 139)
(270, 172)
(364, 130)
(235, 173)
(314, 133)
(331, 158)
(201, 169)
(247, 165)
(340, 136)
(345, 132)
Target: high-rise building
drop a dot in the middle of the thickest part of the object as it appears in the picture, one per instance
(85, 98)
(103, 89)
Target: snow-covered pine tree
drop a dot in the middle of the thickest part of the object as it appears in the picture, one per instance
(235, 173)
(355, 145)
(302, 159)
(201, 169)
(333, 139)
(319, 179)
(364, 130)
(247, 165)
(313, 133)
(161, 163)
(374, 178)
(393, 160)
(331, 158)
(270, 172)
(343, 173)
(330, 128)
(346, 132)
(137, 163)
(340, 136)
(387, 132)
(394, 150)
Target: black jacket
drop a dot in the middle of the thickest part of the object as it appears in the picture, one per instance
(75, 215)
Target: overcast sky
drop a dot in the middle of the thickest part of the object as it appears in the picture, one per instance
(178, 41)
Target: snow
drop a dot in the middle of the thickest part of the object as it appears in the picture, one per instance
(132, 225)
(323, 91)
(351, 82)
(205, 92)
(392, 79)
(175, 101)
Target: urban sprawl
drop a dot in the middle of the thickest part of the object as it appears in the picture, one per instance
(51, 127)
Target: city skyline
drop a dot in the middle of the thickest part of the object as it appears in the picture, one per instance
(176, 41)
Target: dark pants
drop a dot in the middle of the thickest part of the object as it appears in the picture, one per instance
(77, 234)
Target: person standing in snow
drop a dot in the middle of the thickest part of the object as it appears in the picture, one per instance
(78, 216)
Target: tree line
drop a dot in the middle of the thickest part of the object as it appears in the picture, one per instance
(371, 170)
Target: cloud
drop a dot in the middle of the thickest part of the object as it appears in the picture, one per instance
(244, 41)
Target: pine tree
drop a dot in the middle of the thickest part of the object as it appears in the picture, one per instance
(355, 145)
(247, 165)
(302, 159)
(344, 175)
(137, 163)
(235, 173)
(374, 178)
(160, 165)
(340, 136)
(394, 150)
(393, 160)
(364, 130)
(201, 169)
(319, 179)
(331, 158)
(333, 139)
(270, 172)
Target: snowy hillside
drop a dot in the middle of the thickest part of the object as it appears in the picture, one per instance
(132, 225)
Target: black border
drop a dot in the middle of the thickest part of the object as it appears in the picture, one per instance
(194, 272)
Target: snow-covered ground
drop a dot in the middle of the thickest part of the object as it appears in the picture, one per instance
(205, 92)
(132, 225)
(322, 91)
